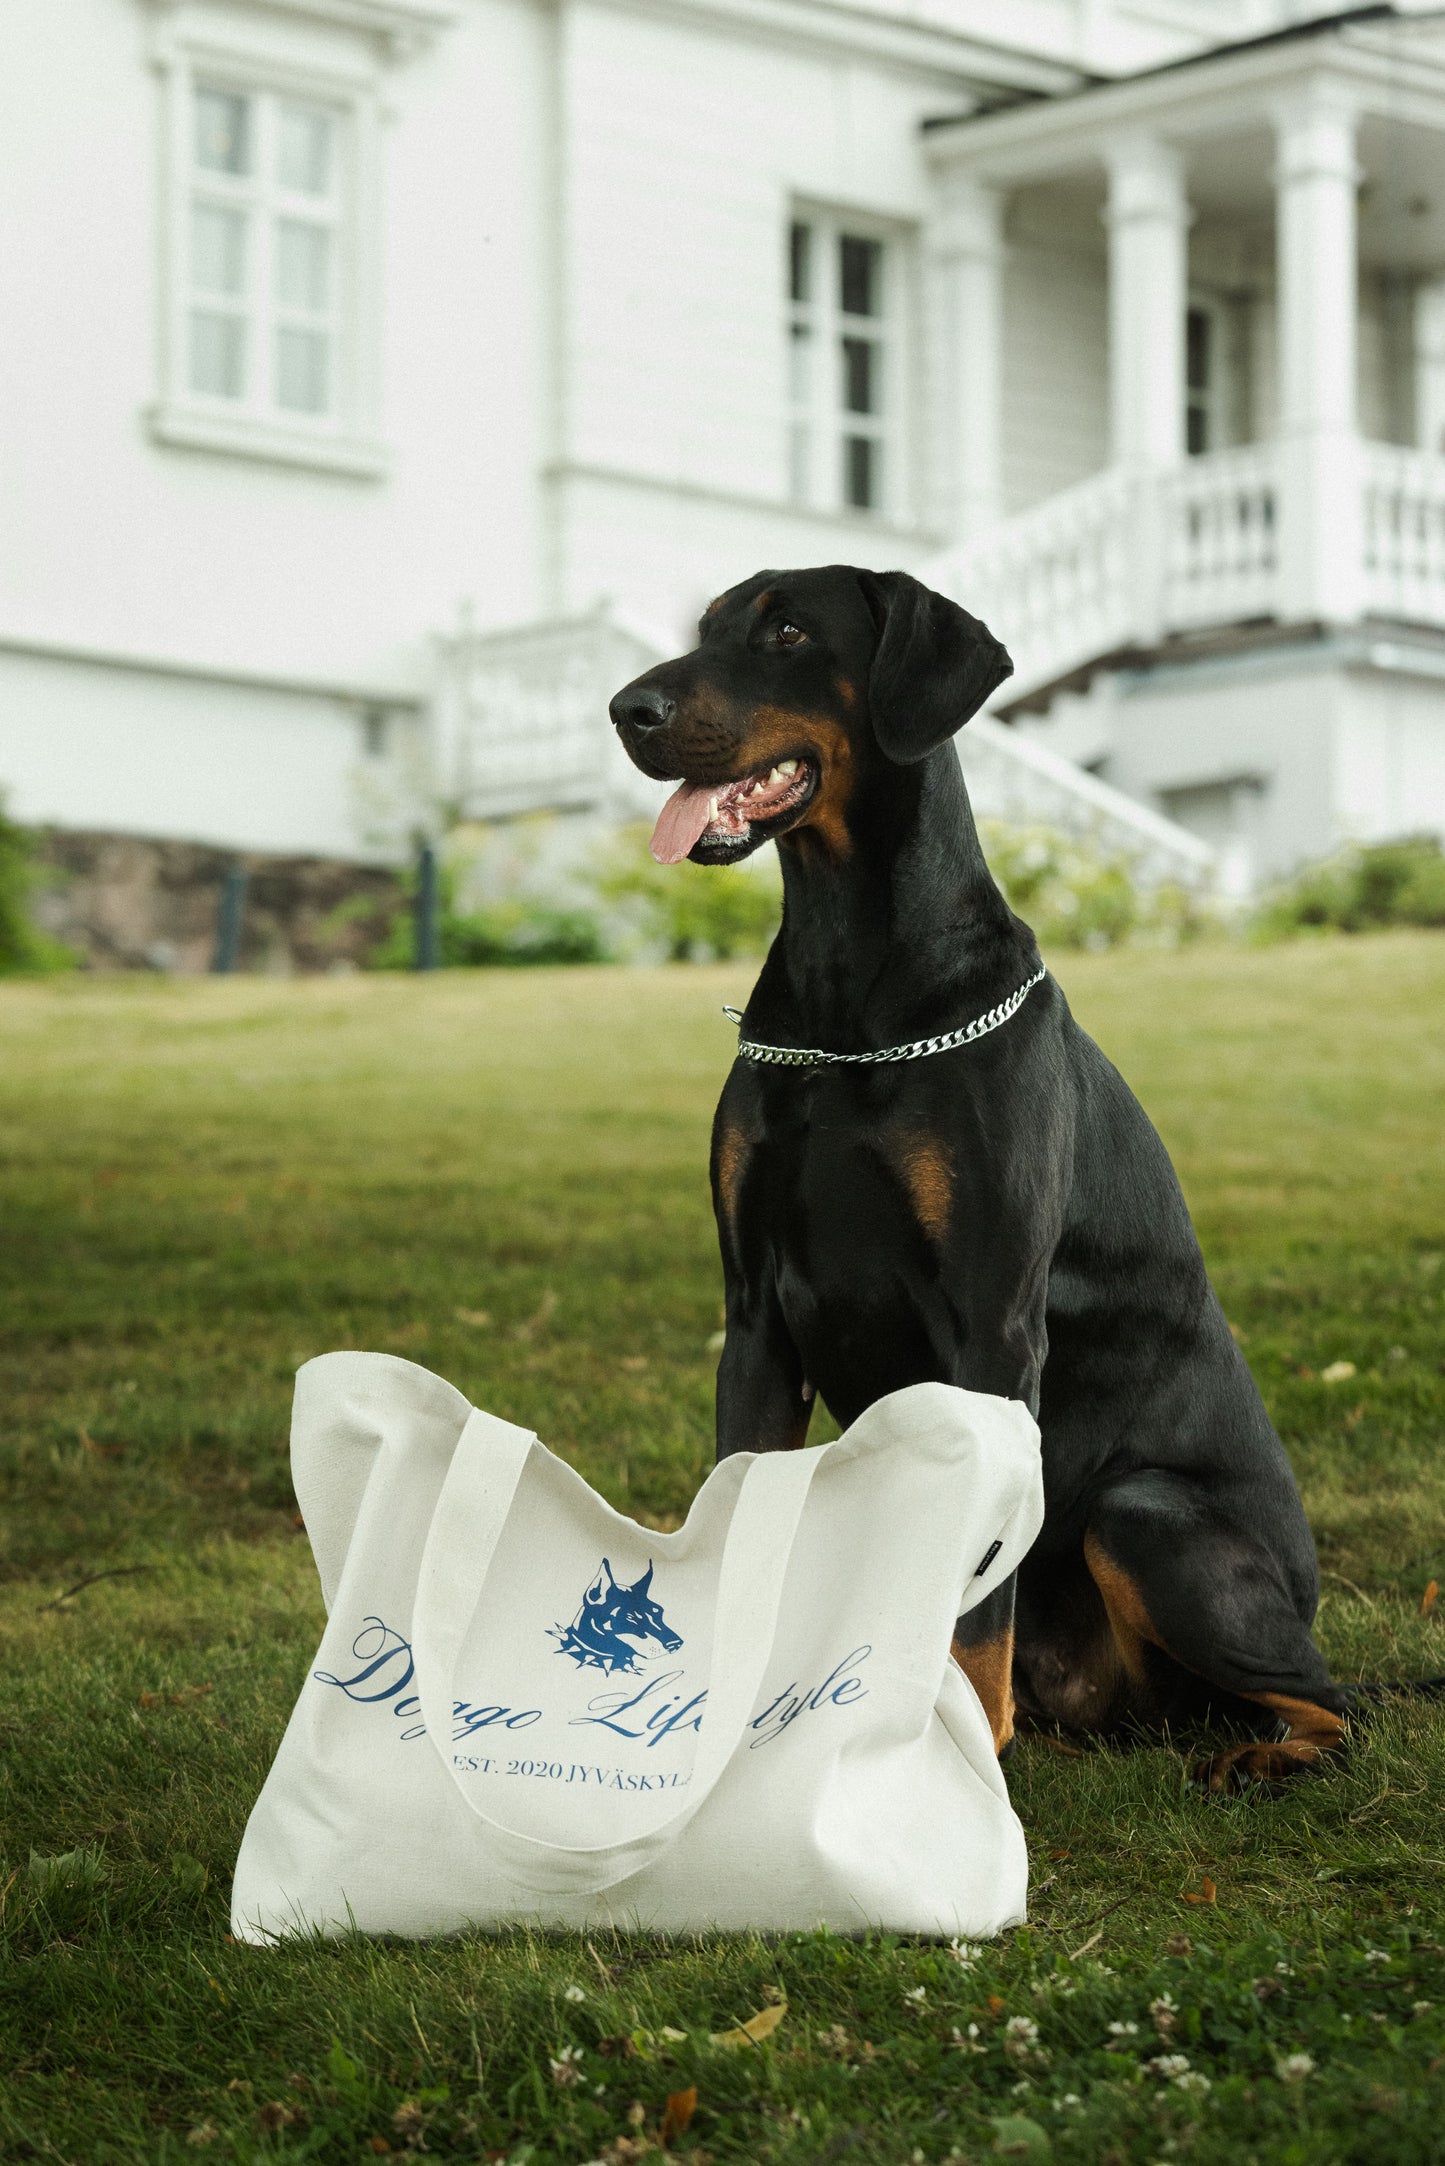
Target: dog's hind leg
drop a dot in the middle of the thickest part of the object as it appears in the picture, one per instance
(1181, 1573)
(983, 1648)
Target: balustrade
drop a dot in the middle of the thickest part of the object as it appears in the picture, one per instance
(1404, 534)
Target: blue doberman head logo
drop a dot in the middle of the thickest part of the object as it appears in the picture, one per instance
(610, 1616)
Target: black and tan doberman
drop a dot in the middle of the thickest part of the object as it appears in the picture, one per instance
(1000, 1215)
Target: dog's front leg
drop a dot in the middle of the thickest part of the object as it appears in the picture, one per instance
(760, 1381)
(983, 1648)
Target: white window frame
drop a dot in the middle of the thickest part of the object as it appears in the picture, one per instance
(196, 52)
(821, 417)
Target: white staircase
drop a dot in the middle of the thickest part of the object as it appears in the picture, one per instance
(519, 717)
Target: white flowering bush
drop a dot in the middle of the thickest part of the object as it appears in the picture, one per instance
(1078, 895)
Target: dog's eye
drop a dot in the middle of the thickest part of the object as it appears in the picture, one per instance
(789, 635)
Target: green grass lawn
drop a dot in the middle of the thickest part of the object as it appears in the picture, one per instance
(503, 1176)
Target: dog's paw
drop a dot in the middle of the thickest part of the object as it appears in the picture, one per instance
(1271, 1766)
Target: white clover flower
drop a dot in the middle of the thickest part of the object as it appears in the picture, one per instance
(1420, 2008)
(574, 1993)
(1123, 2030)
(917, 1994)
(1294, 2068)
(1284, 1970)
(1023, 2028)
(962, 1952)
(1070, 2098)
(565, 2068)
(1377, 1955)
(1193, 2080)
(1169, 2065)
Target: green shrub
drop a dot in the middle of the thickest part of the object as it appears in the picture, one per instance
(1385, 883)
(508, 897)
(689, 913)
(24, 949)
(1077, 896)
(515, 931)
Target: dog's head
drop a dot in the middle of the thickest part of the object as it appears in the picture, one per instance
(805, 690)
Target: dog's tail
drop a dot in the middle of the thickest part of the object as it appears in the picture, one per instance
(1375, 1692)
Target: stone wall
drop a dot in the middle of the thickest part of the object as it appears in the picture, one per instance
(126, 902)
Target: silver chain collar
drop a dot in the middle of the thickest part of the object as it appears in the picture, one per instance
(790, 1056)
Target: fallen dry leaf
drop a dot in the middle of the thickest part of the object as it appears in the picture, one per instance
(756, 2029)
(479, 1318)
(1338, 1372)
(1429, 1597)
(1206, 1891)
(996, 2004)
(1179, 1944)
(1061, 1854)
(681, 2107)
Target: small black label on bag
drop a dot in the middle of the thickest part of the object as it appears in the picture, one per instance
(988, 1556)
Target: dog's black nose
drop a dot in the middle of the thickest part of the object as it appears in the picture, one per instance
(643, 706)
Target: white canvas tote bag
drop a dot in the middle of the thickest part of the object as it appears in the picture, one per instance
(527, 1708)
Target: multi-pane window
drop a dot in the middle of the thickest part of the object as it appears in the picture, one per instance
(263, 284)
(843, 394)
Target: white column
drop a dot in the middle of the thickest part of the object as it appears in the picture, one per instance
(1148, 219)
(1430, 366)
(1321, 509)
(966, 264)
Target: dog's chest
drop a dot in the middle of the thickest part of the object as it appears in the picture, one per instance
(844, 1196)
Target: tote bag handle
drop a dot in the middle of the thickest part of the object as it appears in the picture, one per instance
(471, 1514)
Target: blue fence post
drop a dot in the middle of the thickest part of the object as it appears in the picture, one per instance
(428, 953)
(229, 921)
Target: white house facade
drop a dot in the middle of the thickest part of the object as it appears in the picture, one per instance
(386, 380)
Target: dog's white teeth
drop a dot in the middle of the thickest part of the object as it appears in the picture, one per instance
(775, 778)
(786, 767)
(711, 809)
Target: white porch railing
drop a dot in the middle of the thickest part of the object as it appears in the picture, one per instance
(1120, 560)
(1123, 560)
(1404, 534)
(520, 718)
(1220, 532)
(1055, 582)
(1012, 778)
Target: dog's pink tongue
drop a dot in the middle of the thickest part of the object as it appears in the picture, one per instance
(680, 822)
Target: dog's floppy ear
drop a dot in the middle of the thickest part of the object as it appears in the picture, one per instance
(934, 665)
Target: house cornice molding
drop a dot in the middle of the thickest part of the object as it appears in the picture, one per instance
(1365, 67)
(907, 42)
(399, 28)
